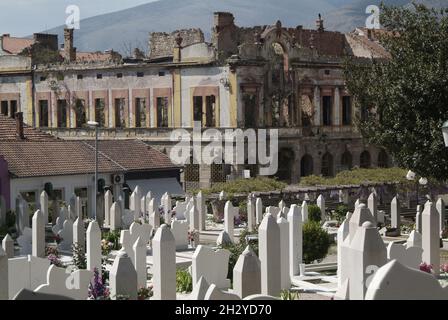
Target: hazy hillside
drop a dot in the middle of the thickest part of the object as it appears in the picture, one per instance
(130, 28)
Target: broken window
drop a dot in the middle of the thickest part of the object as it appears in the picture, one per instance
(346, 110)
(162, 112)
(140, 112)
(4, 108)
(13, 108)
(307, 110)
(43, 113)
(327, 104)
(100, 115)
(80, 113)
(197, 108)
(62, 113)
(120, 116)
(210, 107)
(250, 110)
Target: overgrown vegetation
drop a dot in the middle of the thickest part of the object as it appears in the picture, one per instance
(79, 257)
(359, 176)
(237, 249)
(404, 97)
(314, 213)
(184, 281)
(289, 295)
(316, 242)
(260, 184)
(340, 212)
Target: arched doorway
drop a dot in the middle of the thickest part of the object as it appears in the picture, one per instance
(327, 165)
(346, 160)
(383, 159)
(306, 166)
(285, 160)
(365, 160)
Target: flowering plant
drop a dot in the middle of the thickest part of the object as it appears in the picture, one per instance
(145, 293)
(97, 290)
(426, 267)
(106, 247)
(444, 268)
(57, 238)
(193, 235)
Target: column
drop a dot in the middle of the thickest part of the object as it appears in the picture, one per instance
(317, 111)
(337, 107)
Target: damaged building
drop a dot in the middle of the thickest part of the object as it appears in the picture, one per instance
(287, 78)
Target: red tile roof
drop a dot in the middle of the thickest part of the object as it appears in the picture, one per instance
(16, 45)
(41, 154)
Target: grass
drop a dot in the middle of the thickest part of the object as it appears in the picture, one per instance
(359, 176)
(259, 184)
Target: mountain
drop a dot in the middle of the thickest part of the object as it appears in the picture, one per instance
(129, 28)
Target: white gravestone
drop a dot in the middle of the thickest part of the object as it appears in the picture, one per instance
(202, 208)
(108, 201)
(179, 228)
(139, 261)
(304, 212)
(258, 211)
(62, 282)
(440, 206)
(230, 212)
(283, 224)
(223, 239)
(270, 256)
(8, 246)
(38, 235)
(372, 204)
(295, 239)
(395, 213)
(408, 256)
(250, 214)
(44, 205)
(214, 293)
(26, 272)
(367, 255)
(79, 233)
(4, 284)
(115, 216)
(395, 281)
(212, 265)
(164, 268)
(414, 239)
(194, 218)
(128, 237)
(123, 278)
(321, 204)
(66, 234)
(134, 203)
(93, 252)
(430, 236)
(247, 274)
(418, 219)
(25, 242)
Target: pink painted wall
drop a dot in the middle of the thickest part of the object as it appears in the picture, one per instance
(4, 182)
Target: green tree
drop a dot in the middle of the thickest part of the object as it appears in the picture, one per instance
(406, 94)
(316, 242)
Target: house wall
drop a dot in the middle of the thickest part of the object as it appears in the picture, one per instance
(4, 182)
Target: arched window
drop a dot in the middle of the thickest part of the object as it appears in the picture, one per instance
(383, 159)
(364, 160)
(285, 159)
(306, 166)
(327, 165)
(346, 160)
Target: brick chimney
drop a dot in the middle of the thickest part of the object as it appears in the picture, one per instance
(320, 23)
(69, 49)
(19, 125)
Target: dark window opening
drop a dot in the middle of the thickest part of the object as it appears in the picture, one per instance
(43, 113)
(79, 76)
(62, 113)
(346, 110)
(197, 108)
(327, 72)
(100, 115)
(140, 74)
(383, 159)
(120, 117)
(162, 112)
(43, 78)
(140, 112)
(306, 166)
(364, 160)
(327, 105)
(327, 165)
(4, 108)
(99, 76)
(119, 75)
(346, 161)
(210, 108)
(80, 113)
(161, 73)
(250, 110)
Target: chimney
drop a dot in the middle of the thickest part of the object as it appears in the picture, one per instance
(177, 49)
(320, 23)
(19, 125)
(69, 50)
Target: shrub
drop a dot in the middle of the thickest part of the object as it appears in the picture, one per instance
(289, 295)
(144, 293)
(79, 257)
(184, 281)
(237, 249)
(113, 237)
(314, 213)
(261, 184)
(316, 242)
(341, 212)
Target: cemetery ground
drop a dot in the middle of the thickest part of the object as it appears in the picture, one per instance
(371, 240)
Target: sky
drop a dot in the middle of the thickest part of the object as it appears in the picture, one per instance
(24, 17)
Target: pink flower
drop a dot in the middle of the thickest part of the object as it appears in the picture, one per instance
(426, 267)
(444, 268)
